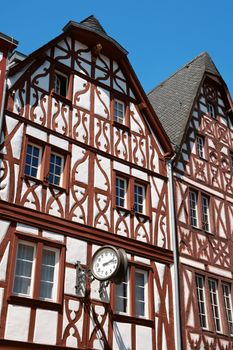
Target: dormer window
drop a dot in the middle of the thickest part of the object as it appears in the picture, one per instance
(61, 84)
(211, 110)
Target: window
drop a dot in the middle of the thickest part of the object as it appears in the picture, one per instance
(228, 305)
(211, 110)
(200, 210)
(210, 301)
(24, 269)
(55, 169)
(205, 213)
(33, 159)
(122, 296)
(60, 84)
(201, 301)
(139, 198)
(214, 304)
(193, 208)
(38, 166)
(140, 293)
(200, 147)
(121, 188)
(119, 111)
(136, 281)
(28, 271)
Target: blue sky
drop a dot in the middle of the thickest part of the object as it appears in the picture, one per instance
(160, 36)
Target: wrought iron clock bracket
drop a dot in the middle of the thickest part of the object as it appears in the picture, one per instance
(82, 275)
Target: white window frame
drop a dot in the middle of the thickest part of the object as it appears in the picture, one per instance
(56, 76)
(39, 160)
(62, 169)
(205, 213)
(136, 184)
(126, 281)
(145, 273)
(120, 120)
(30, 244)
(201, 301)
(193, 208)
(125, 192)
(215, 306)
(200, 147)
(56, 270)
(211, 110)
(228, 305)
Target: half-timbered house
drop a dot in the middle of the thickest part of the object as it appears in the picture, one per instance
(195, 109)
(83, 165)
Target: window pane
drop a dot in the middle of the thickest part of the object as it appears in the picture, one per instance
(119, 111)
(201, 301)
(32, 160)
(122, 297)
(55, 169)
(23, 269)
(140, 293)
(193, 208)
(139, 197)
(120, 192)
(214, 304)
(47, 274)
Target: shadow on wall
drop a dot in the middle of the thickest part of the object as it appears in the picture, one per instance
(118, 337)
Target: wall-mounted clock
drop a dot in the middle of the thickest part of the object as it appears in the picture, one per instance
(109, 263)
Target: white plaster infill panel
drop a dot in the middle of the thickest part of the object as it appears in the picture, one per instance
(143, 338)
(70, 281)
(140, 174)
(4, 227)
(53, 236)
(27, 229)
(121, 167)
(58, 142)
(122, 336)
(17, 322)
(37, 133)
(4, 263)
(76, 251)
(45, 327)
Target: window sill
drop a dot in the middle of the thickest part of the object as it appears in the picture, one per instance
(131, 319)
(63, 99)
(141, 215)
(38, 303)
(118, 208)
(121, 126)
(43, 182)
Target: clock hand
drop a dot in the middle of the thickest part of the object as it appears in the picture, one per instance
(108, 262)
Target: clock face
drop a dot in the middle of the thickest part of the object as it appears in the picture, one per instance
(105, 263)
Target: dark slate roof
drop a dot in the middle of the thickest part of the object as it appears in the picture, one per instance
(173, 99)
(93, 23)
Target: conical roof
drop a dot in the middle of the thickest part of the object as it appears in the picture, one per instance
(92, 23)
(173, 99)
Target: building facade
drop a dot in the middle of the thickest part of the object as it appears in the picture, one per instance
(195, 109)
(83, 164)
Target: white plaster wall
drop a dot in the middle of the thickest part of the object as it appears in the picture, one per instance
(53, 236)
(58, 142)
(121, 167)
(122, 336)
(43, 81)
(84, 99)
(102, 103)
(4, 227)
(45, 327)
(17, 323)
(27, 229)
(1, 300)
(143, 338)
(70, 281)
(37, 133)
(4, 262)
(76, 251)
